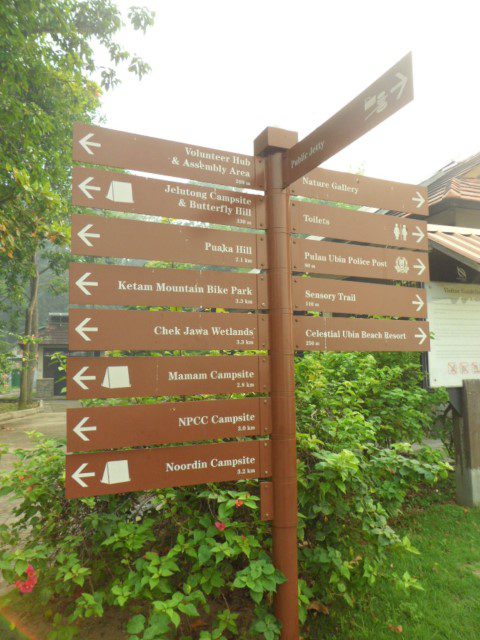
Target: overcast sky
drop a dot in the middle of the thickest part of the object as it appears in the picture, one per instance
(222, 71)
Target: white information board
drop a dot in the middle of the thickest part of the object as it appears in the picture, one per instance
(454, 316)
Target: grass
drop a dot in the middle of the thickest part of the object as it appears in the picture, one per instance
(448, 567)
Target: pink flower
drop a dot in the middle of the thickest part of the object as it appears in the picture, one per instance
(31, 573)
(28, 585)
(220, 526)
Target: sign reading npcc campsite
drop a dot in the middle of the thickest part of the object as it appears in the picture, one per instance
(223, 310)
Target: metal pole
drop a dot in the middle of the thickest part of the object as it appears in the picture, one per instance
(284, 454)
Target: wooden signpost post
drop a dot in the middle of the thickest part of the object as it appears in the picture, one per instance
(266, 308)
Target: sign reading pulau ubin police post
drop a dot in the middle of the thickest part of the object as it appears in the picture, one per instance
(324, 253)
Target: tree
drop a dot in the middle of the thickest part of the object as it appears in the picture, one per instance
(47, 65)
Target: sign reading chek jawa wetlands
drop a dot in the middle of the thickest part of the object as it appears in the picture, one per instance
(243, 295)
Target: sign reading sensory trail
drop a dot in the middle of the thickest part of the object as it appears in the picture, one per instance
(225, 290)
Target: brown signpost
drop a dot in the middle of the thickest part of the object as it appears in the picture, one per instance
(361, 298)
(134, 194)
(107, 147)
(380, 100)
(95, 428)
(352, 334)
(121, 238)
(334, 258)
(344, 224)
(99, 330)
(94, 474)
(141, 286)
(141, 377)
(350, 188)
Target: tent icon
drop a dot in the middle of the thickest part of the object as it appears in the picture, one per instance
(116, 472)
(120, 191)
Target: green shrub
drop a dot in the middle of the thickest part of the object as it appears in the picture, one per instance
(195, 562)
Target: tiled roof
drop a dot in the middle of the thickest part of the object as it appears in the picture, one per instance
(56, 331)
(456, 240)
(457, 181)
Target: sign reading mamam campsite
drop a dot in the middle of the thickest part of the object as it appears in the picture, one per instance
(125, 286)
(134, 194)
(330, 295)
(350, 188)
(107, 147)
(121, 238)
(380, 100)
(94, 474)
(141, 377)
(354, 334)
(95, 428)
(344, 224)
(335, 258)
(100, 330)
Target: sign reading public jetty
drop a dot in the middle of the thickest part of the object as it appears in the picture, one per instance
(95, 428)
(125, 286)
(121, 238)
(343, 296)
(134, 194)
(335, 258)
(352, 334)
(140, 377)
(99, 330)
(350, 188)
(107, 147)
(376, 103)
(234, 299)
(143, 469)
(344, 224)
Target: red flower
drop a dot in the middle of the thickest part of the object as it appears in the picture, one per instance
(239, 503)
(31, 573)
(220, 526)
(28, 585)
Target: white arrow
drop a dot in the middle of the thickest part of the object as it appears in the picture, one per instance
(79, 377)
(87, 143)
(418, 234)
(420, 267)
(83, 235)
(78, 475)
(421, 335)
(82, 329)
(79, 429)
(400, 86)
(418, 302)
(82, 283)
(420, 199)
(86, 187)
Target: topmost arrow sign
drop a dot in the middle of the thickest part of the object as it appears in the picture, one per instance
(380, 100)
(107, 147)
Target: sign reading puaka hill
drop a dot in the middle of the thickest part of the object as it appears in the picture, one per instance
(107, 147)
(134, 194)
(94, 474)
(118, 285)
(100, 330)
(120, 238)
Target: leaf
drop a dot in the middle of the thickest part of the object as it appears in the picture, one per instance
(397, 629)
(315, 605)
(136, 624)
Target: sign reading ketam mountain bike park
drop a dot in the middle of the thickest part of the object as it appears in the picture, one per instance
(239, 261)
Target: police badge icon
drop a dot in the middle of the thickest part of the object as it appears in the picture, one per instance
(401, 265)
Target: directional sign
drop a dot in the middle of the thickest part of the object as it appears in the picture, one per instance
(340, 296)
(353, 334)
(95, 474)
(118, 285)
(335, 258)
(107, 147)
(99, 330)
(120, 238)
(95, 428)
(344, 224)
(124, 192)
(141, 377)
(349, 188)
(379, 101)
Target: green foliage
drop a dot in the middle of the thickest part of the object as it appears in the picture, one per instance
(195, 562)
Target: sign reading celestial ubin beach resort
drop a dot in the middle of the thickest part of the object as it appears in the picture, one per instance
(282, 275)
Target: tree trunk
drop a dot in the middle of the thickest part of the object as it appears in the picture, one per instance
(30, 349)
